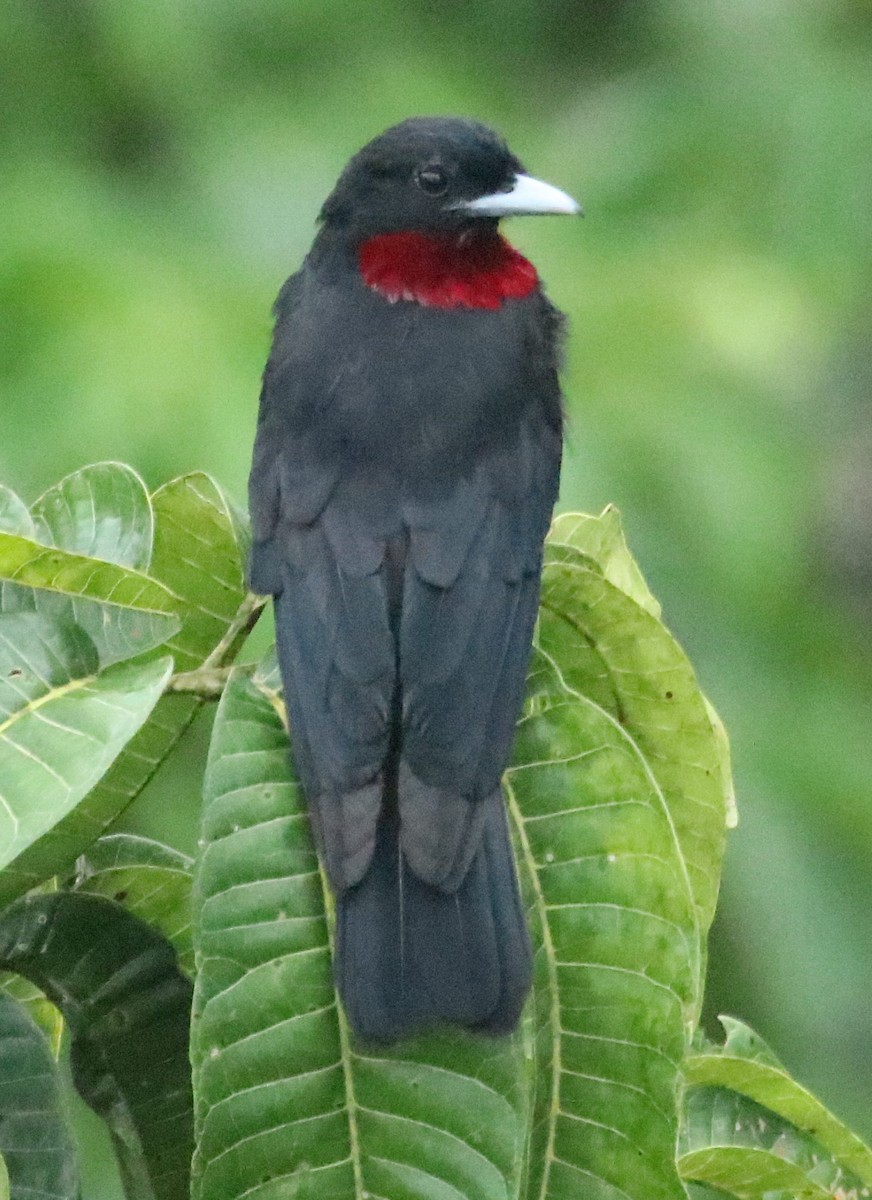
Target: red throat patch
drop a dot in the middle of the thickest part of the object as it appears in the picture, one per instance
(444, 271)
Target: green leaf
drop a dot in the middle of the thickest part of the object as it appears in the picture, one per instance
(102, 511)
(4, 1180)
(61, 725)
(124, 612)
(609, 648)
(14, 515)
(200, 546)
(34, 1140)
(127, 1006)
(149, 879)
(731, 1143)
(745, 1064)
(617, 956)
(285, 1104)
(602, 539)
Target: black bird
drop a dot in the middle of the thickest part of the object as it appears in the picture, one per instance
(405, 468)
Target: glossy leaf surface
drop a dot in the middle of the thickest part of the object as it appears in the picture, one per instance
(601, 538)
(616, 954)
(200, 545)
(102, 511)
(611, 822)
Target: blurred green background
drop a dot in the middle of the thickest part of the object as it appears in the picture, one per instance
(162, 167)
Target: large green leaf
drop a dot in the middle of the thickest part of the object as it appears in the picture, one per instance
(745, 1150)
(34, 1139)
(61, 724)
(283, 1096)
(127, 1006)
(745, 1064)
(285, 1104)
(617, 953)
(124, 612)
(102, 511)
(149, 879)
(611, 649)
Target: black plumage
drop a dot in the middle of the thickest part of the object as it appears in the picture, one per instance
(405, 469)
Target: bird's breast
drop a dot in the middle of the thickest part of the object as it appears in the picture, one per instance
(417, 386)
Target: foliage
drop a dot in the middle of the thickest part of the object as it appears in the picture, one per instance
(619, 794)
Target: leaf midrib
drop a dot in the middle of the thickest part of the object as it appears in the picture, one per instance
(345, 1051)
(55, 693)
(554, 1007)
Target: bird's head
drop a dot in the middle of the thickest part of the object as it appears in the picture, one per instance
(436, 175)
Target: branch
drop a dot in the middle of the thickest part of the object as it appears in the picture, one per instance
(207, 682)
(237, 631)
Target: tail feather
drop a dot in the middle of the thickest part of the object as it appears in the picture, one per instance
(410, 956)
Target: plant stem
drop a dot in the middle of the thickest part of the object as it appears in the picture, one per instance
(237, 631)
(206, 682)
(209, 680)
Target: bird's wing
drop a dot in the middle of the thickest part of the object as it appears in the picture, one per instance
(335, 646)
(470, 600)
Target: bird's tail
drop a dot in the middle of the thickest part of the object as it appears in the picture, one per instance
(410, 956)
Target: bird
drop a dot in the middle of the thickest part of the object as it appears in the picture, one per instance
(405, 468)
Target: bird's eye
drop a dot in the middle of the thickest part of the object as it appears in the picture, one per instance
(433, 180)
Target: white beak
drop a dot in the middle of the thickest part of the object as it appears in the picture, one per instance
(526, 197)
